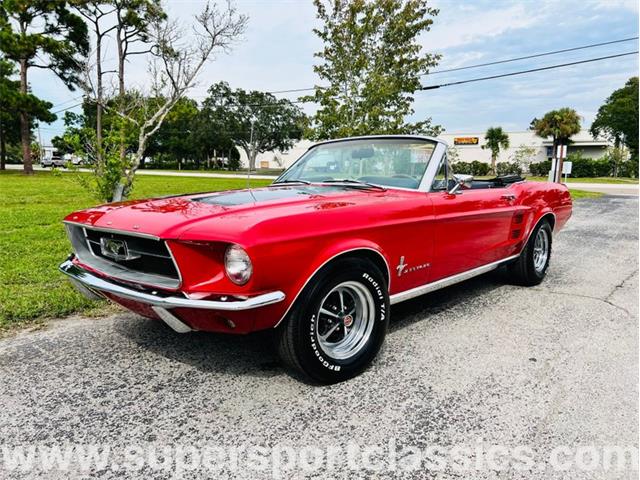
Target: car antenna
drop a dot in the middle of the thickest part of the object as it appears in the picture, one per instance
(253, 120)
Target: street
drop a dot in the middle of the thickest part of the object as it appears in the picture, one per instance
(554, 365)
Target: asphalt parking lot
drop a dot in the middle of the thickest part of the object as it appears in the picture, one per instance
(481, 363)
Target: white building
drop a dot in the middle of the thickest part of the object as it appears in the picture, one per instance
(467, 145)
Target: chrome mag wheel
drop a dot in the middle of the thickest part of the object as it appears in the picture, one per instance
(540, 250)
(345, 320)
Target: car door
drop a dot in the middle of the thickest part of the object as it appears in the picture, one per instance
(472, 226)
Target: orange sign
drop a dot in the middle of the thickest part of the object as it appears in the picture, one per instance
(466, 141)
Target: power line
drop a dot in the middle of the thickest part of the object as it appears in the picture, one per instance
(535, 55)
(68, 101)
(433, 87)
(522, 72)
(68, 108)
(497, 62)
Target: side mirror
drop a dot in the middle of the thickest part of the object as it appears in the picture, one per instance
(461, 181)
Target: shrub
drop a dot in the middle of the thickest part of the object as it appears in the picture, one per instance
(540, 169)
(475, 168)
(508, 168)
(480, 169)
(461, 167)
(629, 168)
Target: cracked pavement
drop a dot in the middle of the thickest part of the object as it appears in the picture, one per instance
(483, 361)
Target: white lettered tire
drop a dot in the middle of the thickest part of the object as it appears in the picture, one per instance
(338, 323)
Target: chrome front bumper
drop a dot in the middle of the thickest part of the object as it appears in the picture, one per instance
(91, 286)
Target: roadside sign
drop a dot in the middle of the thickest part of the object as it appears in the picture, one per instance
(466, 141)
(566, 168)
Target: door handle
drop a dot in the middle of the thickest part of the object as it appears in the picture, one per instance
(510, 197)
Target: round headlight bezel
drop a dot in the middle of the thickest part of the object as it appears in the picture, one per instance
(237, 264)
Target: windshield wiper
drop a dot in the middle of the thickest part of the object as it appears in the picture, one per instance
(349, 182)
(293, 180)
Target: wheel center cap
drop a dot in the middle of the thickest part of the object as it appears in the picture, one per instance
(347, 320)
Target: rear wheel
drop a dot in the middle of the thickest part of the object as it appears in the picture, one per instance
(531, 267)
(338, 323)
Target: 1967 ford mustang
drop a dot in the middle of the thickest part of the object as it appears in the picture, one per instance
(354, 226)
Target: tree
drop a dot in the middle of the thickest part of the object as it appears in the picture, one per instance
(524, 156)
(9, 123)
(176, 61)
(43, 34)
(371, 64)
(560, 125)
(95, 13)
(617, 118)
(495, 139)
(256, 121)
(175, 136)
(134, 21)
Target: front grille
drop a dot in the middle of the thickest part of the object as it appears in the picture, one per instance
(150, 261)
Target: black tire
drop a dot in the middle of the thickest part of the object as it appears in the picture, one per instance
(523, 271)
(298, 337)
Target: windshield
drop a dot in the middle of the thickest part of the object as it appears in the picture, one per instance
(391, 162)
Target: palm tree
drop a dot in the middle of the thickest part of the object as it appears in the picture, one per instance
(560, 125)
(495, 139)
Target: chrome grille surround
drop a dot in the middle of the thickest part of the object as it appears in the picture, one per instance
(154, 266)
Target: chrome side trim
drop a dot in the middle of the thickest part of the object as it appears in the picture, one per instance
(113, 230)
(95, 283)
(322, 265)
(445, 282)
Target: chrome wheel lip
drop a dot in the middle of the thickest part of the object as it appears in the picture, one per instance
(541, 250)
(356, 309)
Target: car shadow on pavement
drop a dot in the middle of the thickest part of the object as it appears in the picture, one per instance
(255, 355)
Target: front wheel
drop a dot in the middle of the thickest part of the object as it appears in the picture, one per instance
(338, 323)
(531, 267)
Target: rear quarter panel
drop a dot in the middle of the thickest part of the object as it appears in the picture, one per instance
(543, 198)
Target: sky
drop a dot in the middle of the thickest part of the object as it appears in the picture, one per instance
(276, 53)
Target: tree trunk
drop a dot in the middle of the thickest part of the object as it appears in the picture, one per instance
(99, 102)
(252, 158)
(121, 90)
(554, 150)
(3, 148)
(25, 130)
(617, 156)
(493, 163)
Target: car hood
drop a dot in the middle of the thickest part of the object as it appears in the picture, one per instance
(226, 214)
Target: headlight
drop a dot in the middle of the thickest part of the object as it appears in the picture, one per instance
(237, 264)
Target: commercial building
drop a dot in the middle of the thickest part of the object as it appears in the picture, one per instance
(467, 147)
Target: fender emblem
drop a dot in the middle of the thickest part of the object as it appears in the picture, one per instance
(403, 268)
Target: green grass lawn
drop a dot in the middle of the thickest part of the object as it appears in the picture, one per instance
(578, 194)
(33, 242)
(611, 180)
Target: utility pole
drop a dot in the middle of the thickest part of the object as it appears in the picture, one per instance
(41, 146)
(253, 121)
(562, 153)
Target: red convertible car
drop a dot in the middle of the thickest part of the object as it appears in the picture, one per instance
(353, 227)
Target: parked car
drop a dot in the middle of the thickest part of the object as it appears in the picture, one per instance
(353, 227)
(53, 161)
